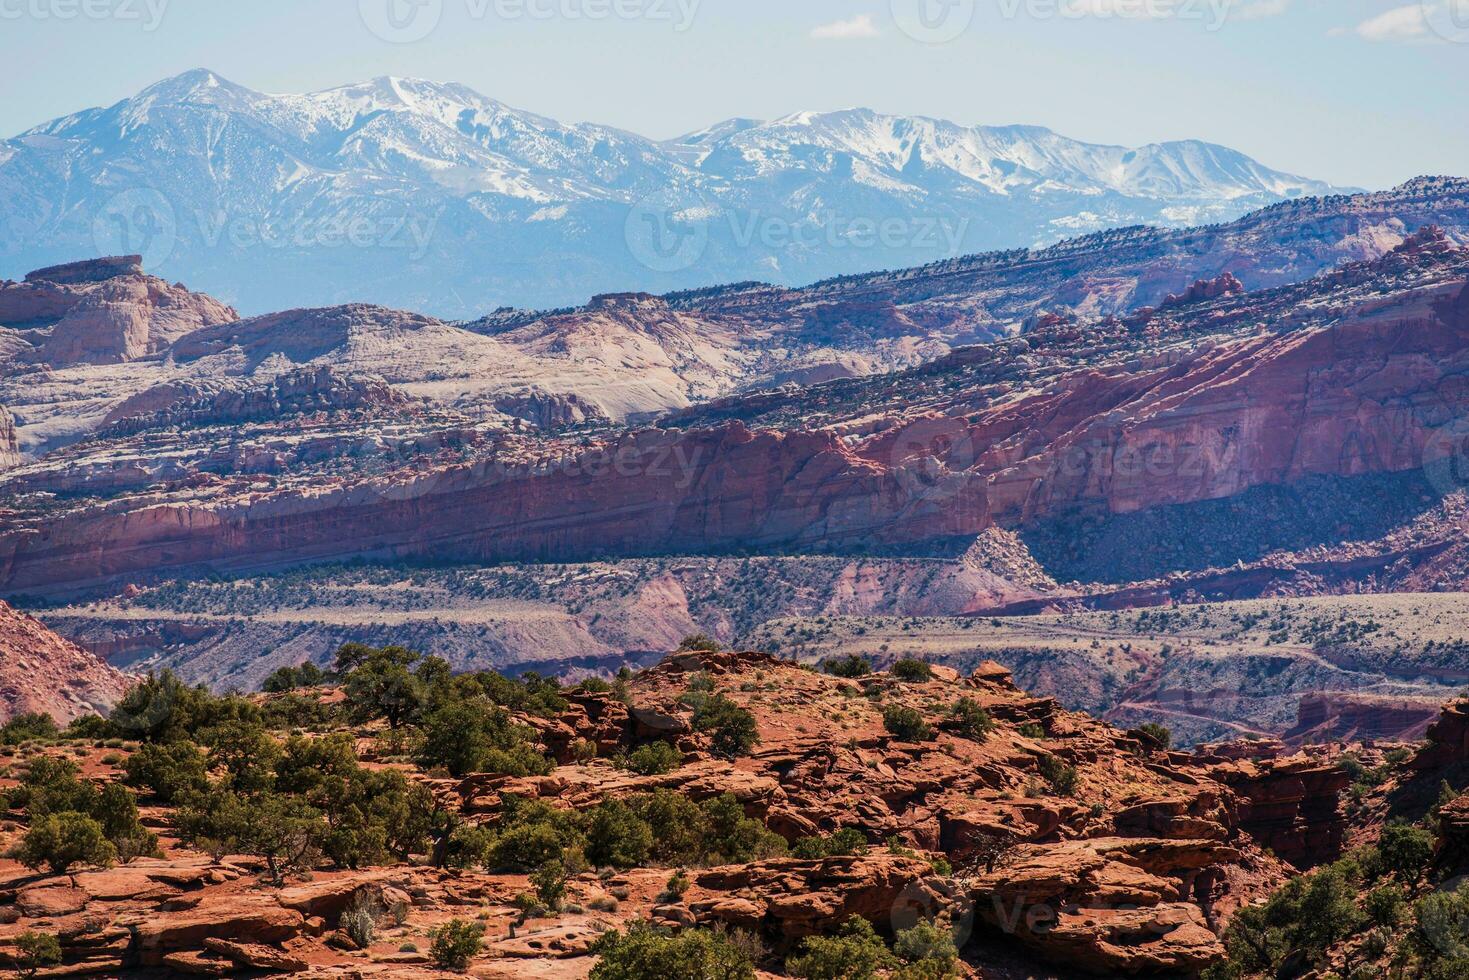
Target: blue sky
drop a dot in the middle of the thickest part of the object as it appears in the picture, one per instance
(1360, 92)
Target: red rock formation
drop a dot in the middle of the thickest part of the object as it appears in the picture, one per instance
(1357, 372)
(89, 270)
(41, 672)
(1290, 805)
(106, 311)
(1223, 285)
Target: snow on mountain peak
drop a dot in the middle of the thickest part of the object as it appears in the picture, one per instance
(514, 207)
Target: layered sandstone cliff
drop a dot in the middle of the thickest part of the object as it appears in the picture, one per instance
(1360, 371)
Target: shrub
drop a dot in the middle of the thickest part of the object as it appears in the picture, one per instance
(643, 953)
(60, 841)
(654, 759)
(290, 678)
(700, 642)
(117, 812)
(905, 723)
(929, 946)
(674, 891)
(36, 950)
(164, 709)
(247, 753)
(1158, 733)
(732, 730)
(851, 666)
(856, 952)
(971, 721)
(455, 943)
(1406, 850)
(1384, 905)
(843, 842)
(1305, 917)
(526, 846)
(1063, 778)
(683, 832)
(1441, 926)
(469, 735)
(616, 836)
(34, 726)
(549, 881)
(735, 838)
(359, 919)
(912, 670)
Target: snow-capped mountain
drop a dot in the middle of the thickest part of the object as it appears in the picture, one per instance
(431, 196)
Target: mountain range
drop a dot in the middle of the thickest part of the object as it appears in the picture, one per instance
(430, 196)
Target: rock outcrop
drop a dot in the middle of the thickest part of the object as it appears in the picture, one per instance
(104, 311)
(41, 672)
(1357, 372)
(1292, 805)
(9, 442)
(89, 271)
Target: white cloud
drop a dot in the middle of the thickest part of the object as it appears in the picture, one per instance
(1399, 24)
(846, 30)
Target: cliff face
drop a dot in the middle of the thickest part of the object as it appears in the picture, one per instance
(1361, 371)
(9, 444)
(646, 493)
(41, 672)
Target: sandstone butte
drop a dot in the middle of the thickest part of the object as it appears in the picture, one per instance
(1134, 870)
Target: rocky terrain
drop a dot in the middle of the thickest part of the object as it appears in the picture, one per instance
(725, 805)
(1351, 374)
(574, 490)
(42, 673)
